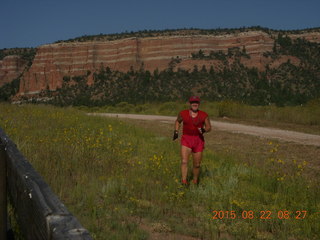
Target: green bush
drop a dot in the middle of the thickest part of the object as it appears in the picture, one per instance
(229, 109)
(169, 108)
(125, 107)
(141, 108)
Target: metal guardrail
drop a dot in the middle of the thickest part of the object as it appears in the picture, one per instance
(40, 213)
(3, 195)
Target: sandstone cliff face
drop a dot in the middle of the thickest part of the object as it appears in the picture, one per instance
(10, 68)
(54, 61)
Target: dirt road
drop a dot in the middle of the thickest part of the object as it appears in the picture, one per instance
(282, 135)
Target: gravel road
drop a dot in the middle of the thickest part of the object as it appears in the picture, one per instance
(273, 133)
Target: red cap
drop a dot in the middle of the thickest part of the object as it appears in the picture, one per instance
(194, 99)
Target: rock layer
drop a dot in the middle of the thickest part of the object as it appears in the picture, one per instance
(11, 67)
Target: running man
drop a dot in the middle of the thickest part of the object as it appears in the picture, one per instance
(195, 124)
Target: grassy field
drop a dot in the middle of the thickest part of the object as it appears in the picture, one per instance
(304, 118)
(122, 181)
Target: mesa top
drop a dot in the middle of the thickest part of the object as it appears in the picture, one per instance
(191, 125)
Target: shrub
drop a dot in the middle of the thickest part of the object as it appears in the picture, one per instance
(125, 107)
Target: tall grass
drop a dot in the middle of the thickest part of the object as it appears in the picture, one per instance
(308, 114)
(110, 174)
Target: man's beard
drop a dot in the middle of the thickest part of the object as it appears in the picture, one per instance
(194, 110)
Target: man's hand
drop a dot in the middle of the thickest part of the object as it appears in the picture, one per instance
(202, 130)
(175, 135)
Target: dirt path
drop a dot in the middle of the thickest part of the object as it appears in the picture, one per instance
(282, 135)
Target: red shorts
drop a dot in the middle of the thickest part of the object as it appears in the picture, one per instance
(196, 143)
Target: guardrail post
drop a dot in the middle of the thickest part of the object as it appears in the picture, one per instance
(3, 193)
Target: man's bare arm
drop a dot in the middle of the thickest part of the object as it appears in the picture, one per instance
(177, 122)
(176, 127)
(207, 124)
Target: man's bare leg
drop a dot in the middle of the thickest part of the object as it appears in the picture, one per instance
(185, 153)
(197, 157)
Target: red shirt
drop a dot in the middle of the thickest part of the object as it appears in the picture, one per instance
(190, 124)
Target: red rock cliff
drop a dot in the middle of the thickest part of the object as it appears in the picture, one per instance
(53, 61)
(10, 68)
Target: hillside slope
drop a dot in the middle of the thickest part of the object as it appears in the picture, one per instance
(265, 55)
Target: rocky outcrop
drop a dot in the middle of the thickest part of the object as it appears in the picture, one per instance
(11, 67)
(54, 61)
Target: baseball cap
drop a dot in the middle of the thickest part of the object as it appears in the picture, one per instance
(194, 99)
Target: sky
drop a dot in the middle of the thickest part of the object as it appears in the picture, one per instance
(31, 23)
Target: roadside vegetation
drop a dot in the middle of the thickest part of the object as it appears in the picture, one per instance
(112, 175)
(305, 118)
